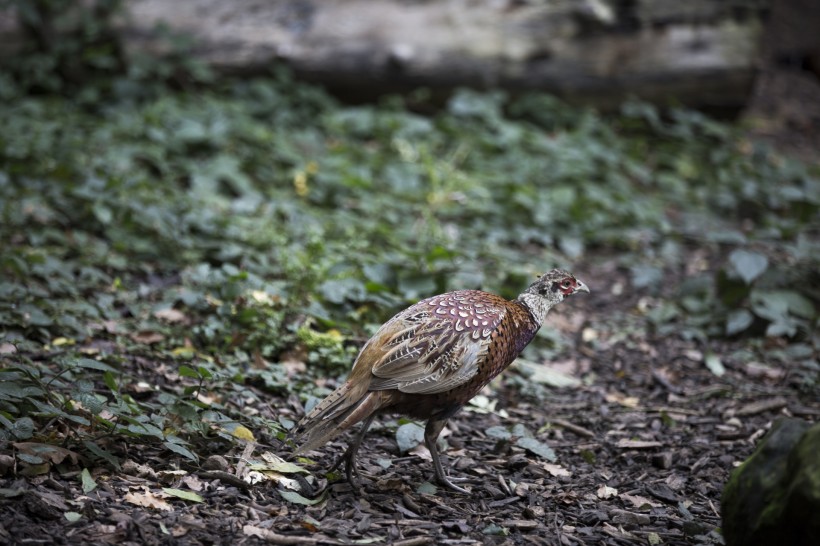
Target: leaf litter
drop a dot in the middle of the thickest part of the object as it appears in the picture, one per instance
(621, 491)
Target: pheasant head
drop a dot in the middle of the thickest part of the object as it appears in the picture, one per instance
(548, 290)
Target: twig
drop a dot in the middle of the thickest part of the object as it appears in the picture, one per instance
(275, 538)
(579, 430)
(415, 541)
(225, 477)
(244, 458)
(762, 406)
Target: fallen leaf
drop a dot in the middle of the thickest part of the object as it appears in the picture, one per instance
(408, 436)
(498, 432)
(605, 492)
(639, 502)
(694, 355)
(481, 404)
(171, 315)
(714, 364)
(538, 448)
(169, 476)
(148, 500)
(622, 399)
(275, 463)
(193, 483)
(88, 482)
(426, 488)
(243, 433)
(296, 498)
(183, 494)
(421, 452)
(638, 444)
(46, 452)
(556, 470)
(589, 334)
(147, 337)
(758, 369)
(184, 352)
(549, 375)
(257, 532)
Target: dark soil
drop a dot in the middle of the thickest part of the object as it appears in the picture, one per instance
(644, 447)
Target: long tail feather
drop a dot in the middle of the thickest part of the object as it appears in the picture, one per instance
(338, 412)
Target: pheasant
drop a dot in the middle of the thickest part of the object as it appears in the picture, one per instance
(431, 359)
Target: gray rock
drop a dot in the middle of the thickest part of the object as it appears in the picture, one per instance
(774, 497)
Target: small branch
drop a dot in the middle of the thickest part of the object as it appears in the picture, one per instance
(762, 406)
(579, 430)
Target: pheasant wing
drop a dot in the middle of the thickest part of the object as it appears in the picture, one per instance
(435, 345)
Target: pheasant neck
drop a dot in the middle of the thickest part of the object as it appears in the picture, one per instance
(537, 306)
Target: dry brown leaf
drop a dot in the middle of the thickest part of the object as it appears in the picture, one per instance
(605, 492)
(133, 468)
(148, 500)
(622, 399)
(47, 452)
(171, 315)
(639, 502)
(193, 483)
(147, 337)
(421, 452)
(758, 369)
(556, 469)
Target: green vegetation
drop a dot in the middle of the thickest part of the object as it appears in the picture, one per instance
(226, 235)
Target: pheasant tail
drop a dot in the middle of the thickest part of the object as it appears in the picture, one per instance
(342, 409)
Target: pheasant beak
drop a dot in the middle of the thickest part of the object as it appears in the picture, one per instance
(580, 287)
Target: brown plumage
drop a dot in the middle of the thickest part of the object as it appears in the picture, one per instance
(431, 359)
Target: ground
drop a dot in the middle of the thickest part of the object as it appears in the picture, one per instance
(643, 446)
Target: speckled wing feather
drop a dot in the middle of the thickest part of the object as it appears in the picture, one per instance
(435, 345)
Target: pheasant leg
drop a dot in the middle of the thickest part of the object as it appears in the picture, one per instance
(349, 456)
(431, 432)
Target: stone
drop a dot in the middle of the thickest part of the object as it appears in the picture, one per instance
(774, 496)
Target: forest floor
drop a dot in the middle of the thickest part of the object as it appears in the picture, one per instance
(643, 446)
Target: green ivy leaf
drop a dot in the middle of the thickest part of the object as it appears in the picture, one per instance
(110, 381)
(88, 482)
(537, 448)
(494, 529)
(101, 453)
(498, 433)
(187, 371)
(296, 498)
(408, 436)
(714, 364)
(181, 450)
(747, 265)
(183, 494)
(23, 428)
(737, 321)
